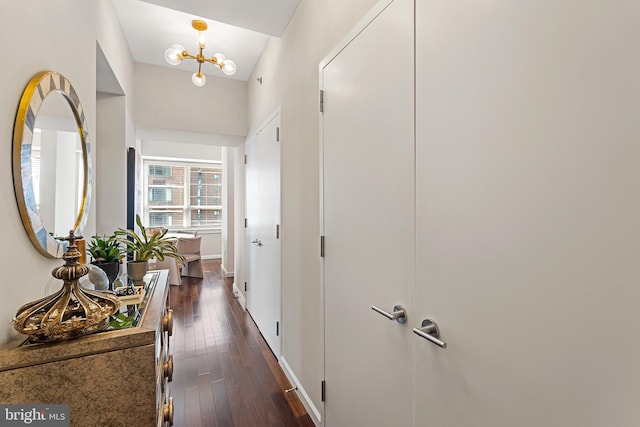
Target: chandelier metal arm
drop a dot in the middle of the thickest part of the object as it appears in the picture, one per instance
(213, 60)
(201, 59)
(188, 56)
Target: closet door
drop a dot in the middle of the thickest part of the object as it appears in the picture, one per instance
(528, 242)
(262, 180)
(368, 210)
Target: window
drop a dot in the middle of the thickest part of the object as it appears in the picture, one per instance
(158, 194)
(183, 194)
(159, 170)
(160, 219)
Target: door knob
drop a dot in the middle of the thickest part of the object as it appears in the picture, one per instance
(430, 332)
(399, 313)
(257, 242)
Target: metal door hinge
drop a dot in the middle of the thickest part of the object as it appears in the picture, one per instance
(245, 286)
(321, 246)
(245, 159)
(322, 101)
(277, 231)
(245, 223)
(277, 329)
(277, 134)
(322, 391)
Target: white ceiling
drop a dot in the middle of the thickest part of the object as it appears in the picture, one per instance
(239, 29)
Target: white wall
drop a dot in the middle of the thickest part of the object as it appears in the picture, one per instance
(289, 71)
(61, 36)
(110, 169)
(167, 99)
(180, 150)
(114, 125)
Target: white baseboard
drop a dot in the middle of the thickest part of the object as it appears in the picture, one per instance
(304, 397)
(239, 296)
(226, 273)
(211, 257)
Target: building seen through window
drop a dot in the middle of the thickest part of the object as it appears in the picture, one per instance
(182, 194)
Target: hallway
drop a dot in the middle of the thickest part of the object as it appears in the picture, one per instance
(224, 373)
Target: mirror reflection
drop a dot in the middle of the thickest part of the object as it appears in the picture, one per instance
(57, 166)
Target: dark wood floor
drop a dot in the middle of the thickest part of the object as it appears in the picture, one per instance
(224, 373)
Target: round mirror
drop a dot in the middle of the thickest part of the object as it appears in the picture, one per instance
(51, 162)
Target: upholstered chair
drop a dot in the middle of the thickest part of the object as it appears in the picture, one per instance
(171, 264)
(189, 248)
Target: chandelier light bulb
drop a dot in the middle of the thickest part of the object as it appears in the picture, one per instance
(229, 67)
(173, 55)
(202, 40)
(198, 79)
(219, 58)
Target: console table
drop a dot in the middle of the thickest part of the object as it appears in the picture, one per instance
(116, 377)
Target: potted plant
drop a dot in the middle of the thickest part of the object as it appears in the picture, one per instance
(145, 247)
(106, 253)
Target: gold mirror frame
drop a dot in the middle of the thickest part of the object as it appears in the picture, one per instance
(41, 85)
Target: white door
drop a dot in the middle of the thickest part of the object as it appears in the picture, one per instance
(368, 211)
(263, 232)
(528, 237)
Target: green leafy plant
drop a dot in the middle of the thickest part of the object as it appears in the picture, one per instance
(105, 249)
(121, 320)
(145, 247)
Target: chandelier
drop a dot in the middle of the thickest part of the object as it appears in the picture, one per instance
(176, 53)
